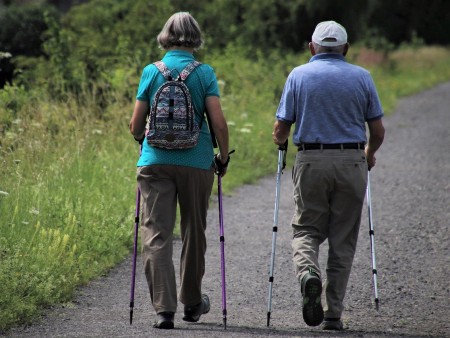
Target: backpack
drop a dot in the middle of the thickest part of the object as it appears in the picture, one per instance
(172, 122)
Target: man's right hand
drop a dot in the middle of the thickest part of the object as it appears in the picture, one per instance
(371, 160)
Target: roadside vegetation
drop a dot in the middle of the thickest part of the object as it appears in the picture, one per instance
(67, 173)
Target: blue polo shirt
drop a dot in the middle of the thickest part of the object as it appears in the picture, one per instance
(329, 100)
(202, 82)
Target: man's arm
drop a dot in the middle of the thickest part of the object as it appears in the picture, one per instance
(280, 132)
(376, 137)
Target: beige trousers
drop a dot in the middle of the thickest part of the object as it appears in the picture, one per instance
(161, 187)
(329, 191)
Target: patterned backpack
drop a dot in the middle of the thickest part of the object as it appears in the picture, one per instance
(171, 122)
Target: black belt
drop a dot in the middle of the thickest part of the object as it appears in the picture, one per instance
(317, 146)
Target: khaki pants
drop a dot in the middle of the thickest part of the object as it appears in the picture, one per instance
(329, 191)
(161, 186)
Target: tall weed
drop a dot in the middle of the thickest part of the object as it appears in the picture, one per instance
(65, 204)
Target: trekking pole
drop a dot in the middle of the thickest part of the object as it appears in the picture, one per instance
(282, 150)
(372, 242)
(222, 253)
(222, 245)
(136, 230)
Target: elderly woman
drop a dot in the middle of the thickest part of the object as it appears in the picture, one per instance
(186, 176)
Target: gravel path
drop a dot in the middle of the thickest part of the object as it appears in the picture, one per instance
(410, 201)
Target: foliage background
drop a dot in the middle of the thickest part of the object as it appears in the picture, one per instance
(69, 73)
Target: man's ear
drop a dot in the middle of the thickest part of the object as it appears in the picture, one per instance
(311, 48)
(346, 47)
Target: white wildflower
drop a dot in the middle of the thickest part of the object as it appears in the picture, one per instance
(4, 193)
(34, 211)
(245, 130)
(5, 55)
(231, 123)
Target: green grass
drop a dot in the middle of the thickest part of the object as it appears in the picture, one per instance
(408, 71)
(66, 207)
(67, 188)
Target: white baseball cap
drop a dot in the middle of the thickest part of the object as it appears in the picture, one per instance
(329, 34)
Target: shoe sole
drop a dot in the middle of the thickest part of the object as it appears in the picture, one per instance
(191, 319)
(165, 325)
(333, 326)
(312, 306)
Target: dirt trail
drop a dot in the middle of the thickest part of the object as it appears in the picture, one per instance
(411, 208)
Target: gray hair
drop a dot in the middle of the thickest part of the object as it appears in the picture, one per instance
(326, 49)
(180, 30)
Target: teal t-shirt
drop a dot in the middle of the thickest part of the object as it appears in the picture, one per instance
(202, 82)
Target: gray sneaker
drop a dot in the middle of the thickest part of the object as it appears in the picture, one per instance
(332, 324)
(311, 292)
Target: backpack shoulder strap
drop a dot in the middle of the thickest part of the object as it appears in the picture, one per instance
(188, 69)
(163, 69)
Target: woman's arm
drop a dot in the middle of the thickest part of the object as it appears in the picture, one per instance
(138, 120)
(219, 125)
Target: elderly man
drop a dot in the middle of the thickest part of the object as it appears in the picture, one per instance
(330, 102)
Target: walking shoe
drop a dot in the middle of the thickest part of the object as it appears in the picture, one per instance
(312, 306)
(193, 313)
(164, 321)
(332, 324)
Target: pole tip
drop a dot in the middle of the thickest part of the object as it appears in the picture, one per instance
(224, 323)
(131, 316)
(377, 304)
(268, 319)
